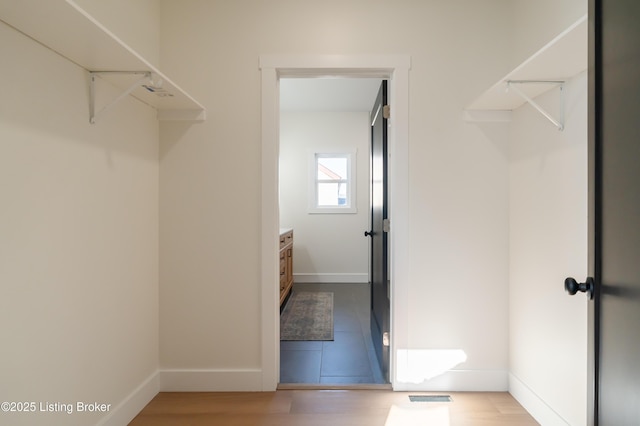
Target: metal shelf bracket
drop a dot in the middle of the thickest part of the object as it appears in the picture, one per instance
(513, 84)
(93, 114)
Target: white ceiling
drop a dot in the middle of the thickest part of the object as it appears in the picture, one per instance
(328, 94)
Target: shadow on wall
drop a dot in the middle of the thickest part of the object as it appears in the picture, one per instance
(303, 261)
(496, 133)
(172, 132)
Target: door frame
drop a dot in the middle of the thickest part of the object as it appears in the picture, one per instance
(395, 68)
(594, 213)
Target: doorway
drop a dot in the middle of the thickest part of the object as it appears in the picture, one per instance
(324, 186)
(273, 68)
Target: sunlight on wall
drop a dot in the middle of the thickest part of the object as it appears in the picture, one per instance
(417, 416)
(418, 365)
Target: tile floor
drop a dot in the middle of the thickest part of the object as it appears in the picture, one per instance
(350, 357)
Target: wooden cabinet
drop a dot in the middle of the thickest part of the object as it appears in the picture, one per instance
(286, 263)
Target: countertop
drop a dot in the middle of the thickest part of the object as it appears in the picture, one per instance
(285, 230)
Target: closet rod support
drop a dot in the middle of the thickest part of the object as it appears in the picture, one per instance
(93, 115)
(512, 84)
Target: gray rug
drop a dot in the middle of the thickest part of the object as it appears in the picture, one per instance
(307, 316)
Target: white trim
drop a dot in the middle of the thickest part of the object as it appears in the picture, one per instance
(398, 175)
(331, 278)
(396, 69)
(131, 406)
(270, 214)
(460, 381)
(534, 404)
(335, 65)
(240, 380)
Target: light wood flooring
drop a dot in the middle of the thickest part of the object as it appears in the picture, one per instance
(331, 407)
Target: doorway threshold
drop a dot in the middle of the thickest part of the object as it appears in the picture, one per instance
(329, 386)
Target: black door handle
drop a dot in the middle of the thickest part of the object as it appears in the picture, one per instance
(369, 233)
(572, 286)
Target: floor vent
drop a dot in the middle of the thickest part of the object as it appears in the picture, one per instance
(429, 398)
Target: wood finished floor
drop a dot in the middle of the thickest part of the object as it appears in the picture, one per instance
(331, 407)
(350, 357)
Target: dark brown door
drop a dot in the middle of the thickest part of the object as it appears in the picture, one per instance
(615, 147)
(380, 305)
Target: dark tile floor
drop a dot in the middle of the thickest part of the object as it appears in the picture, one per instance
(350, 357)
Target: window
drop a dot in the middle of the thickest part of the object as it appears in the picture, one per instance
(332, 182)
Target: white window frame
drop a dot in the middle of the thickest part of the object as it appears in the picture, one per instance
(350, 206)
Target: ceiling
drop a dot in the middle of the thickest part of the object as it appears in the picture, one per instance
(328, 94)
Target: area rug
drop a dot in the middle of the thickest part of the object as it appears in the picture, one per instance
(307, 316)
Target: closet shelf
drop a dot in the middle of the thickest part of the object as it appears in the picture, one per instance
(559, 60)
(64, 27)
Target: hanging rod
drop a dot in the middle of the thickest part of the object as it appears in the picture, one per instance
(93, 115)
(512, 84)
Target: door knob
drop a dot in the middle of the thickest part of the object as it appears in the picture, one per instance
(369, 233)
(572, 286)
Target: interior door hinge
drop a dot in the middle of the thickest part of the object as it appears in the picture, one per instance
(386, 225)
(386, 112)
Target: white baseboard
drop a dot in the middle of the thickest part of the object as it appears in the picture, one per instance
(536, 406)
(460, 381)
(126, 410)
(243, 380)
(331, 278)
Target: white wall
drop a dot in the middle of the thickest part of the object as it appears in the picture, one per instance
(548, 234)
(535, 23)
(78, 242)
(80, 225)
(327, 247)
(548, 242)
(210, 230)
(137, 23)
